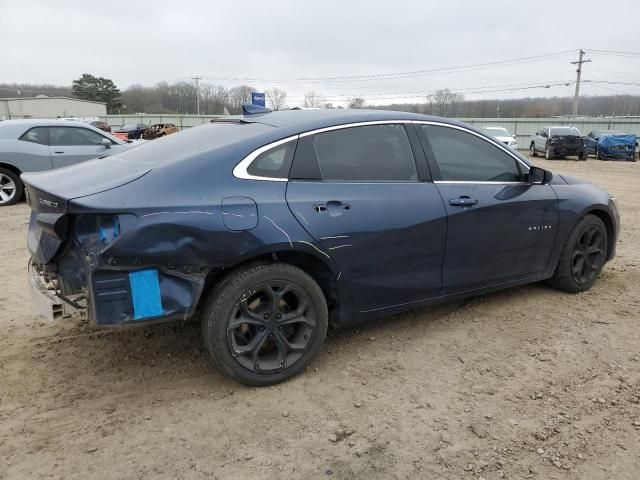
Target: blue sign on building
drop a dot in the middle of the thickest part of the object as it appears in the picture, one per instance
(257, 98)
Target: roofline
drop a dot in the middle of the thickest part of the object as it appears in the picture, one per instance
(52, 98)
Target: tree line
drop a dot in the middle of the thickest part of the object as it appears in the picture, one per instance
(183, 98)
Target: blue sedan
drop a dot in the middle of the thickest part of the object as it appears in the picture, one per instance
(271, 226)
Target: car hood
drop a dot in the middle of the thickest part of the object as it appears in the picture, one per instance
(505, 139)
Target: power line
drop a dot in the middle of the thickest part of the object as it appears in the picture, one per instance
(407, 74)
(615, 53)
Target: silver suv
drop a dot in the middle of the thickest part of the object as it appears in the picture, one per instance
(37, 145)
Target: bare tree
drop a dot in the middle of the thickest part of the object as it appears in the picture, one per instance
(356, 102)
(277, 98)
(444, 102)
(313, 99)
(239, 96)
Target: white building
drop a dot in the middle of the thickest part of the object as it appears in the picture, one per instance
(49, 107)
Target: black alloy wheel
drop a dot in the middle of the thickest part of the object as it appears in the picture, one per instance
(271, 327)
(588, 254)
(582, 257)
(265, 323)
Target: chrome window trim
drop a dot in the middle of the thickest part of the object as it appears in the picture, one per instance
(488, 140)
(479, 182)
(351, 125)
(240, 170)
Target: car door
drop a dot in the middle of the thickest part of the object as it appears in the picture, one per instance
(500, 227)
(362, 192)
(70, 144)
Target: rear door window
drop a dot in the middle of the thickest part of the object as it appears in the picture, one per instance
(369, 153)
(38, 135)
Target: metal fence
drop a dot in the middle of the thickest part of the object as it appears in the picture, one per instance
(522, 128)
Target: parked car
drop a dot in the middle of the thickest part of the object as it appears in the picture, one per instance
(503, 135)
(289, 220)
(104, 126)
(159, 130)
(134, 131)
(558, 142)
(612, 145)
(37, 145)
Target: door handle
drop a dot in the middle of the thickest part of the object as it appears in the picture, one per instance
(58, 152)
(332, 206)
(463, 201)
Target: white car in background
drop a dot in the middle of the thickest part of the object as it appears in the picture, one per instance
(503, 135)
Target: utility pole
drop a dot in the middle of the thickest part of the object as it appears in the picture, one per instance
(197, 79)
(579, 74)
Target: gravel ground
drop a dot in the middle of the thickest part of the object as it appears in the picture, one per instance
(526, 383)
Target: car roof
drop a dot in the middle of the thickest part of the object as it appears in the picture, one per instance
(304, 120)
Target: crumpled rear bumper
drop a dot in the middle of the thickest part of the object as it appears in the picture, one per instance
(48, 304)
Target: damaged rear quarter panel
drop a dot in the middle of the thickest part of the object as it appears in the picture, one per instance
(186, 242)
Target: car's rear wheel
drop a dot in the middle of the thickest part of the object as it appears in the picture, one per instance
(548, 154)
(598, 155)
(582, 257)
(11, 187)
(265, 323)
(532, 150)
(583, 155)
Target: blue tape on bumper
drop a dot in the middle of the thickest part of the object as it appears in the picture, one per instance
(145, 291)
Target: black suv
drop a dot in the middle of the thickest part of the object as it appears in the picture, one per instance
(558, 142)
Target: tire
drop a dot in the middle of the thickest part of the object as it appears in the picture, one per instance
(583, 155)
(532, 150)
(271, 337)
(577, 269)
(548, 153)
(11, 188)
(598, 157)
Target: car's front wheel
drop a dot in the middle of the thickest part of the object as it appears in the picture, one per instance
(532, 150)
(548, 154)
(582, 257)
(11, 188)
(264, 323)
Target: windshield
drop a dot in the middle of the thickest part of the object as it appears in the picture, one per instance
(129, 127)
(498, 131)
(565, 131)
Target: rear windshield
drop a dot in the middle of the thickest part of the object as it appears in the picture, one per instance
(191, 141)
(565, 131)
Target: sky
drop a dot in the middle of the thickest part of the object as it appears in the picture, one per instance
(300, 46)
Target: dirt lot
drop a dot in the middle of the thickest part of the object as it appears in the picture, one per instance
(527, 383)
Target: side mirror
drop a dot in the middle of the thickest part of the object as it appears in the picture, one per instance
(105, 142)
(544, 134)
(539, 176)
